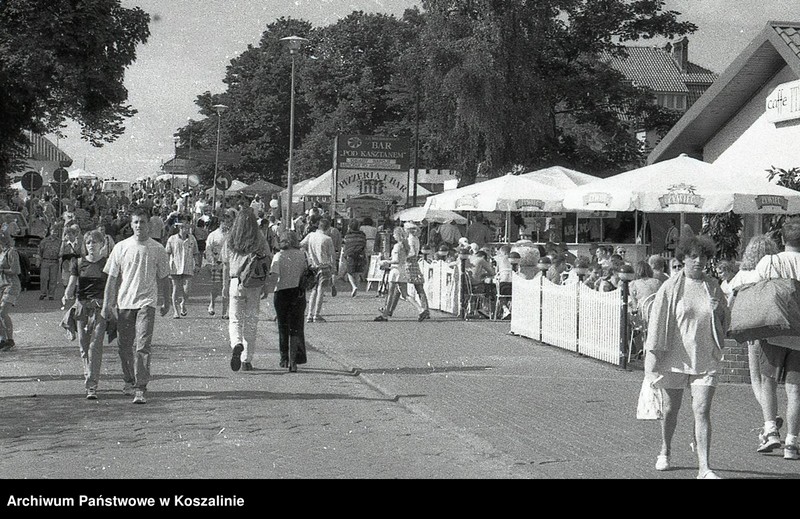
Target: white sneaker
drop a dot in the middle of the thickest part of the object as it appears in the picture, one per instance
(791, 452)
(662, 462)
(139, 397)
(91, 394)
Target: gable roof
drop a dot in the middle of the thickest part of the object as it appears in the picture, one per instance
(655, 68)
(775, 47)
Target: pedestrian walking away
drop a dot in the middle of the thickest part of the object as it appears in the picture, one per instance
(780, 356)
(769, 437)
(137, 268)
(244, 245)
(319, 247)
(290, 300)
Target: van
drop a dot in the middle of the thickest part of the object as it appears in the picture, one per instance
(117, 186)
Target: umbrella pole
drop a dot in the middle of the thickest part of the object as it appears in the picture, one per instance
(508, 225)
(635, 226)
(576, 227)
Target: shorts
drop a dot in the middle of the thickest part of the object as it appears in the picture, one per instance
(778, 362)
(355, 264)
(216, 274)
(674, 380)
(9, 295)
(180, 277)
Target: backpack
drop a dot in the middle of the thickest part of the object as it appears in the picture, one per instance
(254, 271)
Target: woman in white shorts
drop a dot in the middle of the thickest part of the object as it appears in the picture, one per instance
(684, 347)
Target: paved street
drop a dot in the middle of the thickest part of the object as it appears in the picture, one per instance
(402, 399)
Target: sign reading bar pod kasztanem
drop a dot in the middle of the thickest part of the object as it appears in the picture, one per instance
(371, 166)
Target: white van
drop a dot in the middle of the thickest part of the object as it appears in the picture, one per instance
(117, 186)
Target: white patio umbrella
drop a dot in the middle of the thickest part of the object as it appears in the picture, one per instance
(419, 214)
(508, 193)
(559, 177)
(684, 185)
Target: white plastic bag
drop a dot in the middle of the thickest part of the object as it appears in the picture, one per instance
(650, 405)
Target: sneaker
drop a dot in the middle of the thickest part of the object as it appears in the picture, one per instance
(7, 345)
(791, 452)
(319, 319)
(128, 390)
(139, 398)
(236, 357)
(709, 474)
(91, 394)
(770, 442)
(41, 297)
(662, 463)
(310, 320)
(246, 366)
(380, 318)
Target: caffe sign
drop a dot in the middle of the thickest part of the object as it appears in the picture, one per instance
(783, 104)
(772, 201)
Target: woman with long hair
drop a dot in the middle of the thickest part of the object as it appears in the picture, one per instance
(398, 277)
(290, 299)
(245, 242)
(758, 247)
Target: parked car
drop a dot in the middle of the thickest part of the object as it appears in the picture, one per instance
(27, 245)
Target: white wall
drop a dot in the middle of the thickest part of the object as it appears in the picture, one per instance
(750, 143)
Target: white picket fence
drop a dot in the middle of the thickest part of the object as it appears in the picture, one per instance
(572, 317)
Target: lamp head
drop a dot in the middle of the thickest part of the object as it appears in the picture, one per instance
(295, 43)
(219, 108)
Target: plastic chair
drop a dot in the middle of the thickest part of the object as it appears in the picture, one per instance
(475, 300)
(499, 299)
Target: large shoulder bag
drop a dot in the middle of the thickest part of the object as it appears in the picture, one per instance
(308, 279)
(768, 308)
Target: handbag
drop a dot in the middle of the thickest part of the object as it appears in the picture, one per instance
(651, 403)
(308, 279)
(768, 308)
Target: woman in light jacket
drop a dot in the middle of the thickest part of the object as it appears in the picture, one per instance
(684, 347)
(244, 305)
(290, 300)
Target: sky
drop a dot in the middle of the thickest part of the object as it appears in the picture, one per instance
(192, 42)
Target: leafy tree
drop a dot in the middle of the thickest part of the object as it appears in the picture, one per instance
(523, 81)
(64, 59)
(787, 178)
(724, 229)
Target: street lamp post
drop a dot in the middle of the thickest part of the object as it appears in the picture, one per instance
(295, 43)
(175, 140)
(219, 109)
(189, 162)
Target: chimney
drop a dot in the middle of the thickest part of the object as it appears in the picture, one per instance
(680, 53)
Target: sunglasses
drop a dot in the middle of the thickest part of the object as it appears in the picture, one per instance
(676, 266)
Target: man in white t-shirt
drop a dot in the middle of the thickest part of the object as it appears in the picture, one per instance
(136, 268)
(781, 354)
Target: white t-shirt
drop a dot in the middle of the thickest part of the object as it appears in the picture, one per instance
(289, 265)
(141, 266)
(181, 254)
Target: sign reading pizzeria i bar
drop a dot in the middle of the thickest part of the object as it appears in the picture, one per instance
(371, 166)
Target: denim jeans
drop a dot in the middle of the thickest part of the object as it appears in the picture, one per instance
(91, 345)
(243, 308)
(134, 336)
(290, 304)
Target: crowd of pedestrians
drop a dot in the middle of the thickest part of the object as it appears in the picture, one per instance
(121, 258)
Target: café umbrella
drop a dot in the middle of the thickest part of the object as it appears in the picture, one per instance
(684, 185)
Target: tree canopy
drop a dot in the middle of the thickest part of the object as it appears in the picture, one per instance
(63, 59)
(489, 85)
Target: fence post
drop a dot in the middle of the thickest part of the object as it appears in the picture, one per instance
(626, 275)
(544, 265)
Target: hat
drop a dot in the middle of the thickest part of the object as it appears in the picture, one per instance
(410, 225)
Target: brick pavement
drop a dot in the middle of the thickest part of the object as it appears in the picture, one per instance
(438, 399)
